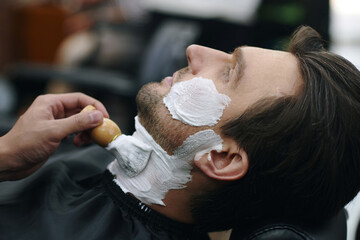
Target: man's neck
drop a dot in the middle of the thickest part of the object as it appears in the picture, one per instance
(178, 203)
(177, 206)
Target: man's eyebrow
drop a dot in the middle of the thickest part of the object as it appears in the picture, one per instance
(240, 64)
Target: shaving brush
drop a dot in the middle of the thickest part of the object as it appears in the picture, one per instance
(106, 132)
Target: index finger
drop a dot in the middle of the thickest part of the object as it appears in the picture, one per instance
(77, 101)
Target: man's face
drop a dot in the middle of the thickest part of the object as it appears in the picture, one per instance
(247, 75)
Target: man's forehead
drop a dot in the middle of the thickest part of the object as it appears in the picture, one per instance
(278, 70)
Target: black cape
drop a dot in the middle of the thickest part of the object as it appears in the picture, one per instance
(74, 197)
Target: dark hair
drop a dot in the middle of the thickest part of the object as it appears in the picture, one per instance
(304, 150)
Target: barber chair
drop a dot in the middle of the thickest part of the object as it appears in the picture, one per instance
(332, 229)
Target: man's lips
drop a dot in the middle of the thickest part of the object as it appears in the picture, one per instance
(169, 81)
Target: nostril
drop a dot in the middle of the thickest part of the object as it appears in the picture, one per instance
(188, 53)
(194, 58)
(189, 58)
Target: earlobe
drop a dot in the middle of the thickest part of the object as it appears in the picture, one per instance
(230, 163)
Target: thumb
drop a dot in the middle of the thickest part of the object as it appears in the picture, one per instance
(81, 122)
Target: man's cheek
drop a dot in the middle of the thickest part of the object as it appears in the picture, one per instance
(196, 102)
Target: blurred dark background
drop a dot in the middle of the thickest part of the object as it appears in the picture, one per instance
(108, 49)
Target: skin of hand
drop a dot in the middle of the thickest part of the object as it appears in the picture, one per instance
(39, 131)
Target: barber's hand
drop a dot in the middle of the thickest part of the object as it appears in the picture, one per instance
(39, 131)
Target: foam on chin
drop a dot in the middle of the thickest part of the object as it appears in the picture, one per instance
(163, 172)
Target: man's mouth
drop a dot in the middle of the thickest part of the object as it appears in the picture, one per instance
(175, 77)
(169, 81)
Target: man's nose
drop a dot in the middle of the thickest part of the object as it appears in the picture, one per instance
(196, 56)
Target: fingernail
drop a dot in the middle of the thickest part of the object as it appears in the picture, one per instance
(95, 117)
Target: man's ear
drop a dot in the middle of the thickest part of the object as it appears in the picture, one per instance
(230, 163)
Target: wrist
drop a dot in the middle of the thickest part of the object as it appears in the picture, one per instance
(7, 165)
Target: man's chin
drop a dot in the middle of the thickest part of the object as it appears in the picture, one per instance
(147, 99)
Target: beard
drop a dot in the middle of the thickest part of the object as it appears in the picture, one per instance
(154, 116)
(157, 120)
(147, 101)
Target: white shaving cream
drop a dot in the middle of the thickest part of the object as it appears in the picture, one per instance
(126, 149)
(196, 102)
(163, 172)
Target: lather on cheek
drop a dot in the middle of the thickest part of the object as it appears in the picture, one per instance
(196, 102)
